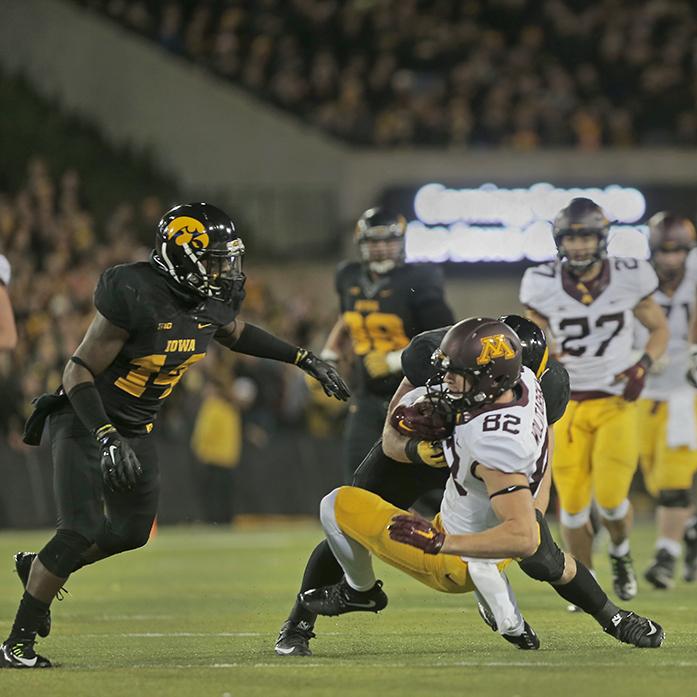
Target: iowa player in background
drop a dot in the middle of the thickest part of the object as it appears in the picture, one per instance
(154, 320)
(8, 330)
(667, 410)
(383, 303)
(588, 302)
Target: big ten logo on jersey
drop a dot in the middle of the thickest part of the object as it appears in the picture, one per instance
(164, 326)
(375, 331)
(495, 346)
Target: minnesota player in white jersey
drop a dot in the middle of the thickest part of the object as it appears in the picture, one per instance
(668, 410)
(588, 302)
(497, 455)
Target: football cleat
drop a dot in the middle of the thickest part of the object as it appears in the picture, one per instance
(636, 630)
(690, 539)
(23, 562)
(487, 615)
(21, 654)
(341, 598)
(660, 573)
(623, 577)
(294, 639)
(527, 641)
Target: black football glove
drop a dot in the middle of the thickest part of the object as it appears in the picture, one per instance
(120, 466)
(325, 373)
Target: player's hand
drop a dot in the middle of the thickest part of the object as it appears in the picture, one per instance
(120, 466)
(379, 364)
(417, 532)
(691, 374)
(634, 378)
(332, 383)
(426, 452)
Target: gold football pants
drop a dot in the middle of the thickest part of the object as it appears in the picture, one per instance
(596, 453)
(663, 467)
(364, 517)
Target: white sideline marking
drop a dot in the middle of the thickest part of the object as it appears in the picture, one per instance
(333, 664)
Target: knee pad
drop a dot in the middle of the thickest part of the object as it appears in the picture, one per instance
(575, 520)
(547, 564)
(112, 542)
(616, 513)
(62, 553)
(674, 498)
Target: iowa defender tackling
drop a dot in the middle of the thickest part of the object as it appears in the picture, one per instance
(154, 320)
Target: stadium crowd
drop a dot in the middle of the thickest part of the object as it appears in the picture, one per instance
(516, 73)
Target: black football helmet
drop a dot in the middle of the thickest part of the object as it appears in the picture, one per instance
(533, 341)
(378, 225)
(581, 217)
(197, 245)
(487, 352)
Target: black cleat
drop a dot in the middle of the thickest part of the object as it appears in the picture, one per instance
(23, 562)
(660, 573)
(636, 630)
(690, 539)
(341, 598)
(623, 576)
(527, 641)
(21, 654)
(294, 639)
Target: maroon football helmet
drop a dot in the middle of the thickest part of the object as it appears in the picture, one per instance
(487, 352)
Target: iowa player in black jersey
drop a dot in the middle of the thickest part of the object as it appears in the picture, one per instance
(417, 466)
(383, 303)
(154, 320)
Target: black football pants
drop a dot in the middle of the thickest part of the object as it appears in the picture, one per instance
(115, 521)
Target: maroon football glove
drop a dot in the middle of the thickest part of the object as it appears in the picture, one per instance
(416, 532)
(635, 377)
(421, 421)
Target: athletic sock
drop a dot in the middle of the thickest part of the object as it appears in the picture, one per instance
(671, 546)
(584, 592)
(29, 615)
(620, 550)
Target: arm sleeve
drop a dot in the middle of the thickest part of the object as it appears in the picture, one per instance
(5, 271)
(117, 299)
(504, 453)
(430, 308)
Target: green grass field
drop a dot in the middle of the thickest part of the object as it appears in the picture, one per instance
(197, 611)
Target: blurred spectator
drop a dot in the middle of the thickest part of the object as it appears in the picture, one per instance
(217, 445)
(521, 73)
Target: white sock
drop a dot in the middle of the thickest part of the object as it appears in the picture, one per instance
(621, 549)
(493, 587)
(353, 557)
(671, 546)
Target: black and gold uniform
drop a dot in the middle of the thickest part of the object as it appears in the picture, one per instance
(382, 313)
(154, 321)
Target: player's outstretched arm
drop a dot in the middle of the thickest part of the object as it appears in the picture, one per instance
(241, 337)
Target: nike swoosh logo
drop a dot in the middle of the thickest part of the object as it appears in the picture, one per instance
(112, 450)
(28, 662)
(203, 326)
(653, 628)
(285, 651)
(367, 605)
